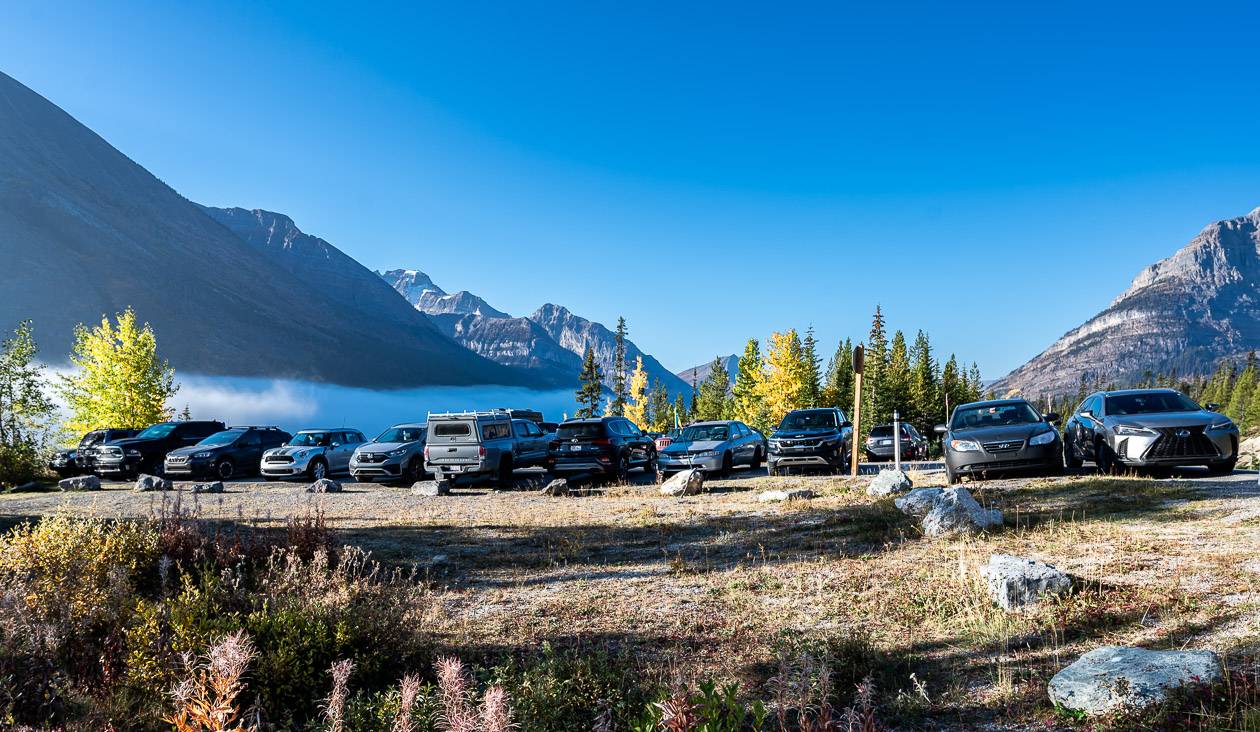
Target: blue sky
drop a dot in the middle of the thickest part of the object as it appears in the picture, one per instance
(991, 173)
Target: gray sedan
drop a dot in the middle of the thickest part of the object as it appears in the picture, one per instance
(1000, 436)
(1145, 428)
(714, 447)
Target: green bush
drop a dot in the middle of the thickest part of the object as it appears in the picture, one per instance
(20, 463)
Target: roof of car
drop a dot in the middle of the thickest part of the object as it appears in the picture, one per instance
(328, 429)
(995, 402)
(410, 424)
(1153, 390)
(589, 420)
(712, 421)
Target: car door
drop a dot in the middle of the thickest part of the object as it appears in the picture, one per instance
(540, 441)
(522, 445)
(744, 446)
(338, 452)
(1088, 421)
(249, 452)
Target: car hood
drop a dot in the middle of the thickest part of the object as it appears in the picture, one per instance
(1167, 419)
(812, 432)
(383, 446)
(1003, 432)
(191, 449)
(287, 450)
(127, 442)
(679, 446)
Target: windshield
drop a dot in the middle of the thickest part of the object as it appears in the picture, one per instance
(706, 432)
(401, 434)
(809, 420)
(157, 431)
(994, 415)
(92, 438)
(580, 431)
(222, 438)
(311, 439)
(1154, 402)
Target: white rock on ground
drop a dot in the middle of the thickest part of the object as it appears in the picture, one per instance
(80, 483)
(557, 487)
(955, 511)
(212, 487)
(791, 494)
(324, 485)
(1015, 582)
(918, 502)
(145, 483)
(888, 482)
(687, 483)
(1120, 679)
(1249, 452)
(431, 488)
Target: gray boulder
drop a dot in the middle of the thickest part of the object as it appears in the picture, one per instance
(792, 494)
(557, 487)
(213, 487)
(918, 502)
(1016, 583)
(80, 483)
(686, 483)
(145, 483)
(1118, 679)
(955, 511)
(324, 485)
(888, 482)
(431, 488)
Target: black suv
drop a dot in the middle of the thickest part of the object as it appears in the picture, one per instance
(811, 438)
(224, 455)
(609, 446)
(145, 452)
(78, 460)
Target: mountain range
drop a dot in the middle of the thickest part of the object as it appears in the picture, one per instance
(697, 374)
(1186, 312)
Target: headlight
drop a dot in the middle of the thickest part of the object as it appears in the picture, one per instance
(133, 453)
(1045, 438)
(1219, 426)
(964, 445)
(200, 455)
(1132, 429)
(397, 453)
(774, 444)
(704, 453)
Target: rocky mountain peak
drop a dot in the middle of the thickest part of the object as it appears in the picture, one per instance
(411, 283)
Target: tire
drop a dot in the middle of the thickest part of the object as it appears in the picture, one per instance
(652, 466)
(774, 472)
(1069, 456)
(756, 461)
(728, 465)
(225, 469)
(1222, 468)
(317, 469)
(662, 476)
(952, 477)
(412, 472)
(621, 473)
(1105, 458)
(504, 477)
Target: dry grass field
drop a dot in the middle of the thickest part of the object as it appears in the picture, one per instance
(703, 586)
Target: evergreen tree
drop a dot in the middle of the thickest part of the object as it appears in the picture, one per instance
(680, 412)
(713, 401)
(591, 389)
(896, 380)
(26, 412)
(924, 396)
(185, 414)
(977, 384)
(953, 388)
(784, 387)
(813, 377)
(873, 401)
(119, 381)
(638, 406)
(695, 398)
(748, 406)
(618, 405)
(1251, 417)
(1244, 386)
(660, 414)
(838, 388)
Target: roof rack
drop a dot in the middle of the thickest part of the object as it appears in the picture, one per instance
(473, 413)
(273, 428)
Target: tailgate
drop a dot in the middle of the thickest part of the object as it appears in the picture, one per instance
(453, 442)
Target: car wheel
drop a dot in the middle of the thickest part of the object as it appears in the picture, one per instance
(412, 471)
(1105, 458)
(756, 461)
(1223, 468)
(318, 469)
(504, 479)
(1069, 456)
(728, 465)
(652, 465)
(952, 477)
(225, 469)
(622, 471)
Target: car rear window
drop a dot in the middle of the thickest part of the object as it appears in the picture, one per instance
(452, 429)
(580, 431)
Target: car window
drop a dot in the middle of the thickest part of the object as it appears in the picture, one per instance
(495, 431)
(629, 429)
(533, 429)
(520, 429)
(452, 429)
(250, 439)
(580, 431)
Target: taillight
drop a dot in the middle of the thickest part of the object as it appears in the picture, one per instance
(426, 452)
(602, 442)
(481, 451)
(553, 445)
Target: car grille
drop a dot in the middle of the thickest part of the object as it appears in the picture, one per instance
(109, 451)
(176, 459)
(1001, 465)
(1002, 446)
(800, 443)
(371, 457)
(279, 459)
(1181, 442)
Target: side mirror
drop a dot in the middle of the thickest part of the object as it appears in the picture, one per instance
(1052, 417)
(334, 444)
(1212, 407)
(846, 425)
(940, 429)
(1087, 413)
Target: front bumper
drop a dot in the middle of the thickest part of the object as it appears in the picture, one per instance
(391, 468)
(1168, 449)
(195, 468)
(1028, 458)
(285, 470)
(667, 462)
(827, 456)
(123, 466)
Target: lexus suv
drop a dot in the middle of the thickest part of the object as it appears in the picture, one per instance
(605, 446)
(714, 447)
(146, 452)
(234, 452)
(395, 454)
(1144, 428)
(312, 454)
(80, 459)
(1000, 436)
(811, 438)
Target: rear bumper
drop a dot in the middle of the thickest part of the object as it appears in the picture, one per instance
(445, 471)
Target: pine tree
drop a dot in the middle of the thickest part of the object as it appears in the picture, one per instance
(591, 389)
(119, 380)
(636, 409)
(1244, 386)
(748, 406)
(713, 401)
(813, 377)
(618, 405)
(26, 412)
(838, 388)
(680, 412)
(660, 414)
(895, 392)
(873, 375)
(185, 414)
(953, 390)
(1251, 417)
(784, 386)
(924, 395)
(977, 384)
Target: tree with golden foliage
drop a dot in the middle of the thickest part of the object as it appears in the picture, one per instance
(784, 387)
(636, 408)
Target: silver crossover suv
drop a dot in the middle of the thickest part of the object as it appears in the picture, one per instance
(1149, 428)
(395, 454)
(1000, 436)
(312, 454)
(714, 447)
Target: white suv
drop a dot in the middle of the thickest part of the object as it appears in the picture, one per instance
(312, 454)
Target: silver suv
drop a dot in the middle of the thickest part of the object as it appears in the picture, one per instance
(1149, 428)
(312, 454)
(482, 445)
(395, 454)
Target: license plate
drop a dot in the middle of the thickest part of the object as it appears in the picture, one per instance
(885, 442)
(455, 469)
(575, 448)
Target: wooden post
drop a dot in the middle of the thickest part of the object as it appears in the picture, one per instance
(859, 362)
